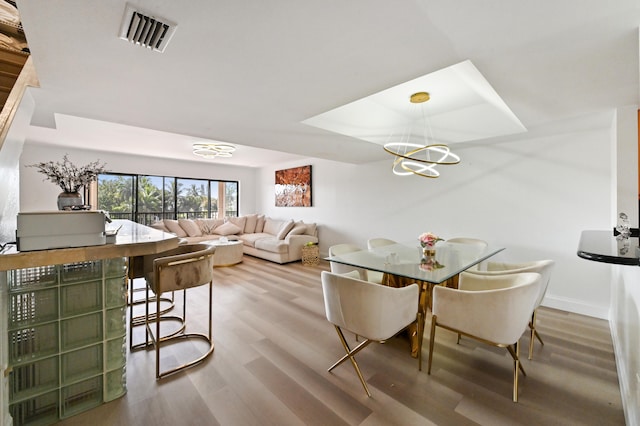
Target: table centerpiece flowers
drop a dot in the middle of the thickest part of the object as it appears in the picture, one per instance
(428, 242)
(70, 179)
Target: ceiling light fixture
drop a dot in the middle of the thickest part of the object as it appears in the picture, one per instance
(420, 159)
(213, 149)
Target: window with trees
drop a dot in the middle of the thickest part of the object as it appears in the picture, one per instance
(146, 199)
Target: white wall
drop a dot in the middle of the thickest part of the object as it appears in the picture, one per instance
(532, 195)
(36, 194)
(625, 320)
(10, 152)
(625, 298)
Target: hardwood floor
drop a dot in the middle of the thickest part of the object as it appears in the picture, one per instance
(274, 345)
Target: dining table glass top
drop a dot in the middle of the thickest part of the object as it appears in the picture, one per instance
(407, 260)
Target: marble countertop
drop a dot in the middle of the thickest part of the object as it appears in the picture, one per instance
(132, 239)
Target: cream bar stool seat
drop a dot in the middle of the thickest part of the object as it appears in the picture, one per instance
(185, 267)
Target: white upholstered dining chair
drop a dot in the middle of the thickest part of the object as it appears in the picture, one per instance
(479, 245)
(379, 242)
(339, 268)
(543, 267)
(369, 310)
(493, 310)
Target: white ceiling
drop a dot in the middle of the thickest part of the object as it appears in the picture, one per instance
(250, 72)
(462, 107)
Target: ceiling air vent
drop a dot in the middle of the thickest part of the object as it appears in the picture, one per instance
(146, 31)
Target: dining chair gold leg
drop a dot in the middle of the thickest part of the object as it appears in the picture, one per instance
(514, 353)
(517, 365)
(534, 334)
(351, 356)
(420, 320)
(432, 335)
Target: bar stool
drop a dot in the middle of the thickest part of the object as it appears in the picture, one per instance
(184, 267)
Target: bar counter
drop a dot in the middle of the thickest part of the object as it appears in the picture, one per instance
(63, 325)
(132, 239)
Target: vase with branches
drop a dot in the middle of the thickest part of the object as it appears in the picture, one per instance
(70, 178)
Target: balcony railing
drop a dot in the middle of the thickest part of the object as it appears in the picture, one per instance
(147, 218)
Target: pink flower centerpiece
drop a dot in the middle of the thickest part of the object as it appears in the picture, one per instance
(428, 242)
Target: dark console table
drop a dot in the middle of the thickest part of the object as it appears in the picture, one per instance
(603, 246)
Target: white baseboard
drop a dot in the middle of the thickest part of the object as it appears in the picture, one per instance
(631, 412)
(577, 307)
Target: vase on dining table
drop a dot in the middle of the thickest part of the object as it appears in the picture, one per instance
(428, 251)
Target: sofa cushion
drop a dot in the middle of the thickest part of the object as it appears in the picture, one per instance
(190, 227)
(260, 223)
(250, 225)
(159, 225)
(284, 229)
(272, 245)
(208, 225)
(227, 229)
(272, 226)
(174, 227)
(239, 222)
(250, 239)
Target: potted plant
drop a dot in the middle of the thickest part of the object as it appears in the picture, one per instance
(70, 179)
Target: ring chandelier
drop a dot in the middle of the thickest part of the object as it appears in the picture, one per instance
(213, 150)
(417, 159)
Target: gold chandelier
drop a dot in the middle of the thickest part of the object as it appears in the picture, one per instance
(420, 159)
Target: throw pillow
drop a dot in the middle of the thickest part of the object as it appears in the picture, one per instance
(311, 229)
(284, 229)
(260, 223)
(239, 222)
(190, 227)
(227, 229)
(298, 229)
(208, 225)
(250, 226)
(174, 227)
(159, 225)
(272, 226)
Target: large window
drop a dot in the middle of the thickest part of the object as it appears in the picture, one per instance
(145, 199)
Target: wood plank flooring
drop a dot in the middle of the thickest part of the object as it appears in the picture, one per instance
(273, 346)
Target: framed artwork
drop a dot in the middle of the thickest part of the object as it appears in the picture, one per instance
(293, 187)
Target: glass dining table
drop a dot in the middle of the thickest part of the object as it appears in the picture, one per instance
(404, 263)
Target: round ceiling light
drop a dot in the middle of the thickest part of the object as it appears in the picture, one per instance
(213, 149)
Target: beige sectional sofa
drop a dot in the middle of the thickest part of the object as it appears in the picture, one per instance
(276, 240)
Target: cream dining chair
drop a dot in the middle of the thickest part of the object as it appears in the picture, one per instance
(339, 268)
(373, 243)
(479, 245)
(373, 311)
(543, 267)
(493, 310)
